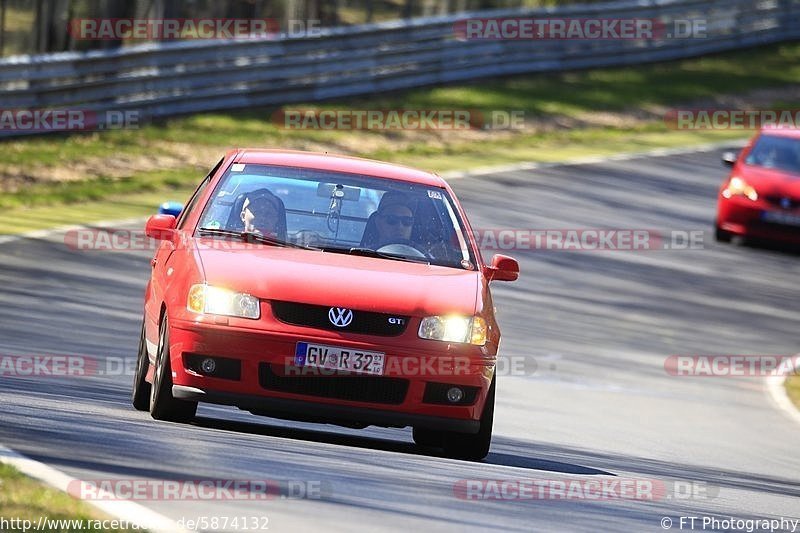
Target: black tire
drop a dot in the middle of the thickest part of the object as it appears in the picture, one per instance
(721, 235)
(163, 406)
(429, 438)
(473, 447)
(140, 397)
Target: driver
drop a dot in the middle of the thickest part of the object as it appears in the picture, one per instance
(261, 214)
(394, 219)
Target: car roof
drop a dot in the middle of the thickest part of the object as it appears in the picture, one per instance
(778, 131)
(337, 163)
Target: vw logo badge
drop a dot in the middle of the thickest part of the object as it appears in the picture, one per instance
(786, 203)
(340, 317)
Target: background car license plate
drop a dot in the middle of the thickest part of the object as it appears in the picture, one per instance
(781, 218)
(339, 358)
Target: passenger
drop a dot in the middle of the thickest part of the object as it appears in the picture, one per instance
(262, 213)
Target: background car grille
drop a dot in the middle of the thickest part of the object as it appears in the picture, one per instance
(372, 389)
(316, 316)
(781, 201)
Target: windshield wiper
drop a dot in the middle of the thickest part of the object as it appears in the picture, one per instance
(249, 236)
(369, 252)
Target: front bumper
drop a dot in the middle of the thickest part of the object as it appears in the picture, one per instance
(406, 359)
(324, 413)
(745, 218)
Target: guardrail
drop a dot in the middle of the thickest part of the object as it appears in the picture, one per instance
(166, 79)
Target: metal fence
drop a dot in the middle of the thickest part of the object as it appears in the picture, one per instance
(169, 79)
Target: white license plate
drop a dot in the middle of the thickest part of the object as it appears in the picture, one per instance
(339, 358)
(781, 218)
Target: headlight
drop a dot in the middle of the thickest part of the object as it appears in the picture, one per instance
(465, 329)
(738, 187)
(217, 301)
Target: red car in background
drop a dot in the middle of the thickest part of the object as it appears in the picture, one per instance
(761, 197)
(327, 289)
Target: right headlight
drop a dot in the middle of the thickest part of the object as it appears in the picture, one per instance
(454, 328)
(738, 187)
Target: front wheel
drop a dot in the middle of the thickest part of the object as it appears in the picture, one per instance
(140, 398)
(429, 438)
(473, 447)
(721, 235)
(163, 406)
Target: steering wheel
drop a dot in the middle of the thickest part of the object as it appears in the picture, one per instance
(307, 237)
(403, 248)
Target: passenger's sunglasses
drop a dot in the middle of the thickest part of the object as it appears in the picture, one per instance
(394, 220)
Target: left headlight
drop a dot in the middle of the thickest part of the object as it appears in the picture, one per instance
(218, 301)
(454, 328)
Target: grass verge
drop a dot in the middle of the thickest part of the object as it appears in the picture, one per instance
(24, 499)
(792, 385)
(593, 112)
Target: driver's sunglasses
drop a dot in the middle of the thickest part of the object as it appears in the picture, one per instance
(394, 220)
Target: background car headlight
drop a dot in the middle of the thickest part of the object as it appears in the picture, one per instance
(738, 187)
(467, 329)
(217, 301)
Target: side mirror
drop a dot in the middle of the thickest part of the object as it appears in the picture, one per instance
(160, 227)
(170, 208)
(729, 158)
(503, 268)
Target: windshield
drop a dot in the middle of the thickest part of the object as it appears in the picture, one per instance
(340, 212)
(771, 151)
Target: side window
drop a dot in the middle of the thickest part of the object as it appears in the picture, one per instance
(197, 194)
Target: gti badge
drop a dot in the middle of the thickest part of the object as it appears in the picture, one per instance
(340, 317)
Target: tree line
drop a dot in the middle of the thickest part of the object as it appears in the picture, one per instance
(41, 26)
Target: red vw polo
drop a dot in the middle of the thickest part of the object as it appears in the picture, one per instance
(326, 289)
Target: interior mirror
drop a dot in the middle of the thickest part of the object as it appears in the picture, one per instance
(504, 268)
(343, 192)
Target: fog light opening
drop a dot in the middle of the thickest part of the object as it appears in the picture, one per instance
(208, 366)
(454, 394)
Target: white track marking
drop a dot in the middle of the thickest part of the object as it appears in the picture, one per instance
(590, 160)
(120, 509)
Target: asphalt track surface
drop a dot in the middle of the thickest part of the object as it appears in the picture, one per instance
(599, 406)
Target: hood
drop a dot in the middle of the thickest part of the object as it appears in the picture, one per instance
(340, 280)
(769, 181)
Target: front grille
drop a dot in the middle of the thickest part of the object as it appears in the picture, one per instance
(784, 202)
(319, 316)
(372, 389)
